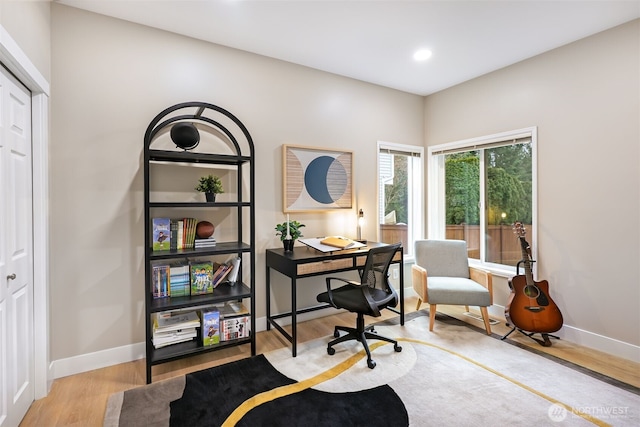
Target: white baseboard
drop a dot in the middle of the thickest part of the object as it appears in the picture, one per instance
(96, 360)
(128, 353)
(587, 339)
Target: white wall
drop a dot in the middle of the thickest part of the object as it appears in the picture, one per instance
(110, 79)
(28, 23)
(584, 98)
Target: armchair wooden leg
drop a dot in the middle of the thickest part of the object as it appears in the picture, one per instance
(466, 308)
(432, 316)
(419, 304)
(485, 318)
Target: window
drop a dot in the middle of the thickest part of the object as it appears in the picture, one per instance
(400, 201)
(478, 188)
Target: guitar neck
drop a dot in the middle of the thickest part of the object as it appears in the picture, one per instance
(526, 258)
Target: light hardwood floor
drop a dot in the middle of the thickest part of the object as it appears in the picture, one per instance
(80, 400)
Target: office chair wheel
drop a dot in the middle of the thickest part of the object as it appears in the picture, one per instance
(397, 348)
(331, 351)
(371, 364)
(336, 334)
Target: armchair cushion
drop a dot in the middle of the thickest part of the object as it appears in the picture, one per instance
(457, 291)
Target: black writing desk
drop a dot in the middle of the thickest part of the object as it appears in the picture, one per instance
(307, 262)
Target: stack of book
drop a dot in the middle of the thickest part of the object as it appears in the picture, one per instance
(174, 327)
(205, 243)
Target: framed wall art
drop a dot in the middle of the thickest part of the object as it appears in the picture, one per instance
(316, 179)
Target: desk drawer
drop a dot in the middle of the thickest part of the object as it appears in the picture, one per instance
(324, 266)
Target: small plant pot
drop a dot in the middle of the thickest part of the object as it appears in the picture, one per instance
(288, 245)
(211, 197)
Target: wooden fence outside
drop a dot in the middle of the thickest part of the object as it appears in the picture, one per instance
(503, 246)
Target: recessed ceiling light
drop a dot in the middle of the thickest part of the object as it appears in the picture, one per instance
(422, 55)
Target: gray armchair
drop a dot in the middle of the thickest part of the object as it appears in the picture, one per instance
(441, 275)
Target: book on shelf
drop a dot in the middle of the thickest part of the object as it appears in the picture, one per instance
(173, 321)
(180, 233)
(234, 328)
(189, 232)
(201, 277)
(183, 233)
(179, 280)
(161, 232)
(160, 281)
(235, 269)
(220, 272)
(231, 309)
(163, 339)
(210, 326)
(173, 226)
(205, 243)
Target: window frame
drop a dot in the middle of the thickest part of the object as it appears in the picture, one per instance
(415, 226)
(436, 192)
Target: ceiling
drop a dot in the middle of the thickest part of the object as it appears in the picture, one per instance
(374, 41)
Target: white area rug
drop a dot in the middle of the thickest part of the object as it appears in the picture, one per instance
(456, 376)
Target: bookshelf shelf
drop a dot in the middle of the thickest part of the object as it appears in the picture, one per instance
(230, 131)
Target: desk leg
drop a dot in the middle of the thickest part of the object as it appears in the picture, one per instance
(294, 327)
(268, 282)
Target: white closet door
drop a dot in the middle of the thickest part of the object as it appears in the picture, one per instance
(16, 252)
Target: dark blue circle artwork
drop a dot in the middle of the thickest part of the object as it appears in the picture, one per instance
(325, 179)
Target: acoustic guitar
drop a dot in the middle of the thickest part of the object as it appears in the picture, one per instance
(530, 307)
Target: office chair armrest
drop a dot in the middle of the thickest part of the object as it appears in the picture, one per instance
(483, 277)
(339, 279)
(373, 306)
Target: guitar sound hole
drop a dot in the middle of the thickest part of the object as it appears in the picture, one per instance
(531, 291)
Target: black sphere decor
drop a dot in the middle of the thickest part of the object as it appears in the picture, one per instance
(185, 135)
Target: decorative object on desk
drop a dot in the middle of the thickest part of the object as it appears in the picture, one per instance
(210, 185)
(338, 242)
(360, 225)
(288, 245)
(316, 243)
(185, 135)
(289, 232)
(204, 229)
(316, 179)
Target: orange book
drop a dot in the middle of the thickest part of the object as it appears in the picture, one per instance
(338, 242)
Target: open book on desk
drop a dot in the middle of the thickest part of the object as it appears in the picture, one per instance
(331, 243)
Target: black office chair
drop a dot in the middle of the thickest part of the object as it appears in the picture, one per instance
(372, 294)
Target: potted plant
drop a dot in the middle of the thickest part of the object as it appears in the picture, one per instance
(289, 232)
(210, 185)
